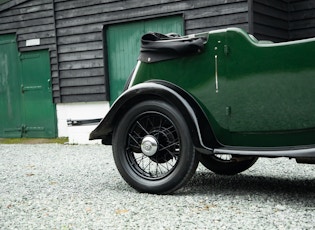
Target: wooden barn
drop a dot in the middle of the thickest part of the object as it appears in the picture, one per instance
(62, 62)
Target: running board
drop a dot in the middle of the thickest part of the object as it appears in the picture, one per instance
(305, 160)
(293, 152)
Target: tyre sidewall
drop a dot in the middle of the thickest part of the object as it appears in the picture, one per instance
(184, 168)
(222, 167)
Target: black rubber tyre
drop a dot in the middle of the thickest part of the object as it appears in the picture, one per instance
(152, 148)
(227, 164)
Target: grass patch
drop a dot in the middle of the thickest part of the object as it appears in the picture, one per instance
(61, 140)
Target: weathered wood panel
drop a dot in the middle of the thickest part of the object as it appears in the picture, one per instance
(217, 22)
(32, 20)
(84, 81)
(270, 20)
(302, 19)
(81, 73)
(80, 90)
(282, 20)
(9, 4)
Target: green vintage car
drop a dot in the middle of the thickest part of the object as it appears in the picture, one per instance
(221, 98)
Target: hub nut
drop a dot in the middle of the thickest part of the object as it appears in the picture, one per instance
(149, 145)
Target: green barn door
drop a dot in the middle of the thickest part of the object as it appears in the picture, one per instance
(123, 46)
(38, 108)
(10, 96)
(26, 107)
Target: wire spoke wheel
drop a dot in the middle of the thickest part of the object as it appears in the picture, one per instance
(152, 148)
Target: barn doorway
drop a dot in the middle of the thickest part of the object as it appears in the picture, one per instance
(26, 107)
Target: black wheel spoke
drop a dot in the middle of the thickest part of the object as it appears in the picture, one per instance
(150, 122)
(169, 146)
(161, 121)
(134, 140)
(139, 124)
(135, 136)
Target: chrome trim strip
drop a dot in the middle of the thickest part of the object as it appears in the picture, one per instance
(134, 74)
(303, 152)
(216, 74)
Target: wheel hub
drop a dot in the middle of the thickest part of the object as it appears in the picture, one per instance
(149, 145)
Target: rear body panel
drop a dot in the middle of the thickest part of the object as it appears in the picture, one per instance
(253, 94)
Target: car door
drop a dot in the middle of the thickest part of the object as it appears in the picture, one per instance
(270, 87)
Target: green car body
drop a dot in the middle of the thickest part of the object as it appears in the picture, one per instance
(238, 95)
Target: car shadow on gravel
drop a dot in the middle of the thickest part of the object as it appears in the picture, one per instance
(302, 190)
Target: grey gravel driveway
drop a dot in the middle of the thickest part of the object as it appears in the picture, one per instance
(54, 186)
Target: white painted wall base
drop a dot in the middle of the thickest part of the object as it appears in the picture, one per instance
(79, 111)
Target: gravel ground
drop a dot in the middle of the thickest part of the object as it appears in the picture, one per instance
(54, 186)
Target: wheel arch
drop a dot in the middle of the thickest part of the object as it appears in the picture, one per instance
(199, 126)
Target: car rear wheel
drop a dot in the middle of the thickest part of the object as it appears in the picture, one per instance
(152, 148)
(226, 164)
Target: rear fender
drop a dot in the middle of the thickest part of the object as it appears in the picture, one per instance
(197, 122)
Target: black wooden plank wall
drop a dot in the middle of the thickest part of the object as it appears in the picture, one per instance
(30, 20)
(271, 20)
(302, 19)
(79, 27)
(283, 20)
